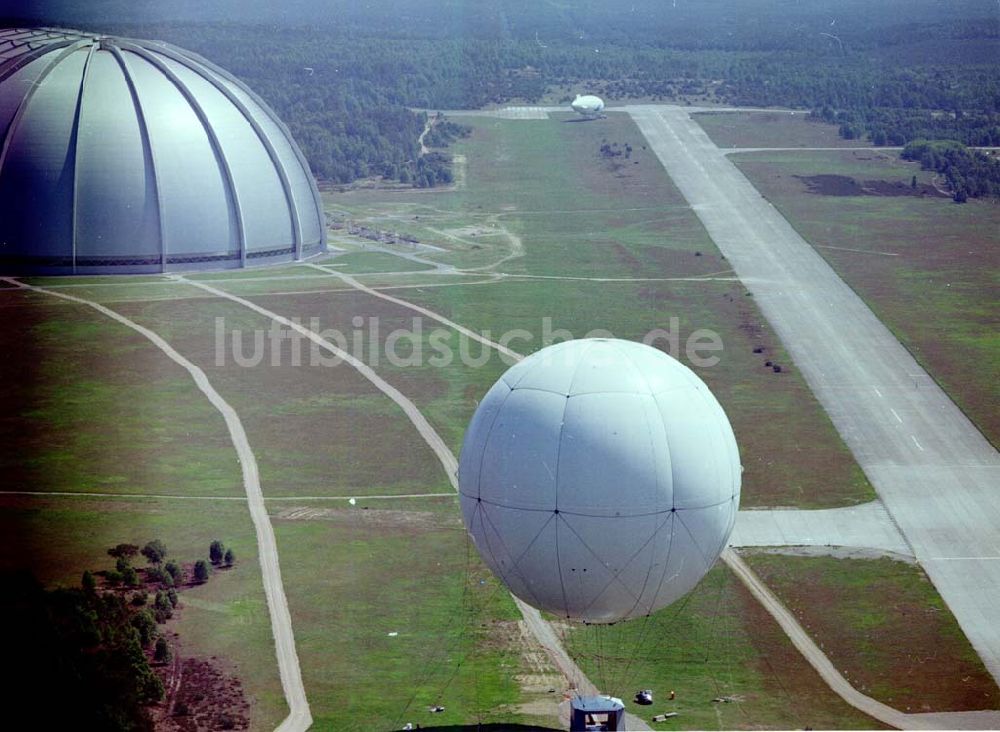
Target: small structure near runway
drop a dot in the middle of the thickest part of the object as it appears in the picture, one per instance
(596, 713)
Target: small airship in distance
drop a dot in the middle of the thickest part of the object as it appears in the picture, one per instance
(588, 105)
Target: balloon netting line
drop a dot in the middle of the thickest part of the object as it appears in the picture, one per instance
(672, 509)
(513, 569)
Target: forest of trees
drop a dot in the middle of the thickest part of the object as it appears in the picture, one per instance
(970, 174)
(347, 77)
(444, 132)
(81, 657)
(77, 656)
(896, 126)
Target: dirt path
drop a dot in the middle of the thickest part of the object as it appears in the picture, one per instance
(176, 675)
(423, 427)
(546, 636)
(516, 245)
(824, 667)
(516, 251)
(422, 310)
(420, 140)
(370, 246)
(542, 631)
(299, 717)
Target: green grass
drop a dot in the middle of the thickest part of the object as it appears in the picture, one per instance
(285, 270)
(90, 405)
(791, 452)
(356, 575)
(366, 262)
(347, 419)
(126, 289)
(332, 284)
(57, 538)
(91, 279)
(575, 216)
(315, 429)
(716, 642)
(545, 181)
(885, 627)
(771, 129)
(326, 431)
(938, 293)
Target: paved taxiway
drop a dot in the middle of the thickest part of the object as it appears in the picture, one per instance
(937, 475)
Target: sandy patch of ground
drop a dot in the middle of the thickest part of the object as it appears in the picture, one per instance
(370, 517)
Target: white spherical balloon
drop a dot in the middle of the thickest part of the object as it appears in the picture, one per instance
(599, 479)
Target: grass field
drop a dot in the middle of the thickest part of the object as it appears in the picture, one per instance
(320, 283)
(315, 430)
(457, 638)
(883, 625)
(101, 410)
(367, 262)
(357, 575)
(780, 429)
(71, 383)
(771, 129)
(717, 642)
(567, 200)
(926, 266)
(59, 537)
(279, 405)
(284, 270)
(577, 215)
(123, 289)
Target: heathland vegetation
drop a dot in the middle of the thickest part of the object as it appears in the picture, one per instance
(99, 647)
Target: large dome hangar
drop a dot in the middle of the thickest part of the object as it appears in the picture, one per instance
(121, 155)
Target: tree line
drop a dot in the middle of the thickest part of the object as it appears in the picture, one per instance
(84, 657)
(351, 94)
(970, 173)
(77, 656)
(899, 126)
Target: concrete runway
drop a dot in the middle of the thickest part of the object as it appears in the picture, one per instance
(937, 475)
(867, 526)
